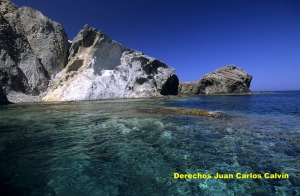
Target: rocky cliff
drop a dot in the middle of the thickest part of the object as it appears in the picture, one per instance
(38, 63)
(100, 68)
(226, 80)
(34, 61)
(33, 49)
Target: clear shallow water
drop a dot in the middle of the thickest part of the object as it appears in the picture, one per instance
(113, 148)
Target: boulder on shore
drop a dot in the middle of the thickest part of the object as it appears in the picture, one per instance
(226, 80)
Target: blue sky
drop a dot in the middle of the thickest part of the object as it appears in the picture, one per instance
(197, 36)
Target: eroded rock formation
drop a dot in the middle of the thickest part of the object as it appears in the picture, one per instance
(226, 80)
(34, 62)
(101, 68)
(37, 61)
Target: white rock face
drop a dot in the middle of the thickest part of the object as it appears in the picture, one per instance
(100, 68)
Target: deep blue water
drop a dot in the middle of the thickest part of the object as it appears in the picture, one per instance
(112, 147)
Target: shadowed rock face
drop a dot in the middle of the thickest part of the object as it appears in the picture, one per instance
(228, 79)
(101, 68)
(33, 49)
(3, 98)
(170, 87)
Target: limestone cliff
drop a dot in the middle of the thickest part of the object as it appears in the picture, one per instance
(33, 49)
(100, 68)
(226, 80)
(37, 61)
(34, 61)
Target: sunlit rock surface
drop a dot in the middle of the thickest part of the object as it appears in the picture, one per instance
(228, 79)
(101, 68)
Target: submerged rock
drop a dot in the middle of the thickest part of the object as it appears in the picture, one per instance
(33, 49)
(101, 68)
(180, 111)
(228, 79)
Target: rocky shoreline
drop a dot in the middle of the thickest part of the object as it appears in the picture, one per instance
(38, 63)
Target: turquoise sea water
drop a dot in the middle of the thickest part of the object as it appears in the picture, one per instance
(112, 147)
